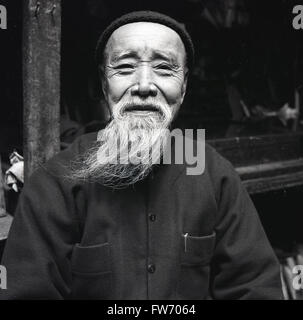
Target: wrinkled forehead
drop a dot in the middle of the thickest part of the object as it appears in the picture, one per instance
(145, 38)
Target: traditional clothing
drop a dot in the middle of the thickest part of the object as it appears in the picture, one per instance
(170, 236)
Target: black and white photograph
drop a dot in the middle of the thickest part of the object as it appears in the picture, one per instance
(151, 151)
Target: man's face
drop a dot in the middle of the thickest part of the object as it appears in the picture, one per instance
(144, 82)
(144, 62)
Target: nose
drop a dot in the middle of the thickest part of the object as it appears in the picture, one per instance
(145, 86)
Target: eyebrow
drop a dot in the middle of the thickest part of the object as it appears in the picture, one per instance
(167, 56)
(116, 56)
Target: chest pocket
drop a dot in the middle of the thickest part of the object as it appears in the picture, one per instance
(195, 257)
(92, 272)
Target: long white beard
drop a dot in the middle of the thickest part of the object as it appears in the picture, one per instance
(127, 148)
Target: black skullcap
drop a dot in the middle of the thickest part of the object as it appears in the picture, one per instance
(146, 16)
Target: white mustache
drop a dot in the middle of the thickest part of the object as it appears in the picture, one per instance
(138, 105)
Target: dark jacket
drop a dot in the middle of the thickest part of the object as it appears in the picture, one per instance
(76, 240)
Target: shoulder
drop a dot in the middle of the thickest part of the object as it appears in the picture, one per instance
(215, 163)
(211, 166)
(76, 149)
(59, 165)
(220, 174)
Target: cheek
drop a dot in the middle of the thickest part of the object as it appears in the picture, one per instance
(172, 90)
(116, 88)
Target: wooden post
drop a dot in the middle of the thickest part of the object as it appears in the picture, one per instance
(41, 81)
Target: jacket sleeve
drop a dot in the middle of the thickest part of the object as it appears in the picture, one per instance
(38, 249)
(244, 265)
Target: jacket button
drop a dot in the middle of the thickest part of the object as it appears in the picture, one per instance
(152, 217)
(151, 268)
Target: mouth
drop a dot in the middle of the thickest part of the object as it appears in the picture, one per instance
(142, 109)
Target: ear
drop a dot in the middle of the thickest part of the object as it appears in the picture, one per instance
(102, 80)
(184, 85)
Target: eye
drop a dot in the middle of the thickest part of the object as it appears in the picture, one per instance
(164, 69)
(125, 68)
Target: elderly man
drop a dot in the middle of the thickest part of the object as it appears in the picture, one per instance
(139, 230)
